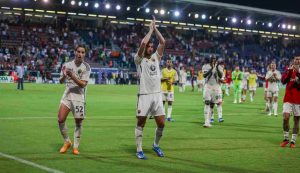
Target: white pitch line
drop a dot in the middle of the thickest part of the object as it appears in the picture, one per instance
(30, 163)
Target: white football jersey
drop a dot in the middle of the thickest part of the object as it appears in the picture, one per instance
(182, 76)
(149, 73)
(272, 81)
(73, 91)
(213, 79)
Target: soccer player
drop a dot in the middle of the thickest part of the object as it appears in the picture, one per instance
(237, 77)
(212, 72)
(169, 78)
(291, 101)
(252, 84)
(273, 76)
(149, 96)
(245, 83)
(192, 72)
(223, 83)
(76, 73)
(182, 79)
(228, 78)
(200, 80)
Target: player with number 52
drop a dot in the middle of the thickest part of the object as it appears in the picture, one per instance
(76, 74)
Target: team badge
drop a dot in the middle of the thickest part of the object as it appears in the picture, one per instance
(152, 68)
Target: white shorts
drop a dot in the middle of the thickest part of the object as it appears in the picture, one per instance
(77, 108)
(213, 94)
(200, 82)
(291, 108)
(244, 86)
(273, 93)
(150, 104)
(252, 88)
(169, 96)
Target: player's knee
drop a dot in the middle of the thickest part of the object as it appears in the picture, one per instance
(207, 102)
(61, 120)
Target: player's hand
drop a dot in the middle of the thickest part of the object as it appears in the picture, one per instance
(151, 26)
(154, 22)
(69, 72)
(274, 74)
(63, 69)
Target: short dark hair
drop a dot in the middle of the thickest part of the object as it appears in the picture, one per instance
(82, 46)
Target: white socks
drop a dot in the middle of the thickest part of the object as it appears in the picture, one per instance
(275, 105)
(294, 138)
(158, 135)
(138, 138)
(207, 112)
(169, 111)
(251, 96)
(286, 135)
(219, 109)
(77, 134)
(64, 131)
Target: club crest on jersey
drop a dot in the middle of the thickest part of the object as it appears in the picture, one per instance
(79, 71)
(152, 68)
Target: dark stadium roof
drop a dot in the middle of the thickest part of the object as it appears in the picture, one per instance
(291, 6)
(260, 12)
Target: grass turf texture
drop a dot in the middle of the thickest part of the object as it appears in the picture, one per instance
(248, 140)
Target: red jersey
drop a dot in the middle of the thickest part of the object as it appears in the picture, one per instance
(228, 77)
(292, 92)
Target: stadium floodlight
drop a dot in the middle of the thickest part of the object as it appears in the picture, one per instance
(62, 1)
(162, 12)
(190, 14)
(226, 19)
(218, 18)
(249, 22)
(242, 21)
(118, 7)
(46, 1)
(96, 5)
(79, 3)
(128, 8)
(177, 13)
(263, 23)
(256, 23)
(289, 27)
(294, 27)
(203, 16)
(283, 26)
(138, 9)
(107, 6)
(233, 20)
(147, 10)
(73, 2)
(86, 4)
(270, 24)
(196, 16)
(210, 17)
(155, 11)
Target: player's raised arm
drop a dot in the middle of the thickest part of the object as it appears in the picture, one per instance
(162, 41)
(144, 42)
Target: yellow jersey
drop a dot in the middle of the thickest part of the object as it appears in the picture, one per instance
(252, 80)
(172, 74)
(200, 75)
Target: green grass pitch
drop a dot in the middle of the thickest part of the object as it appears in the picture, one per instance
(248, 140)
